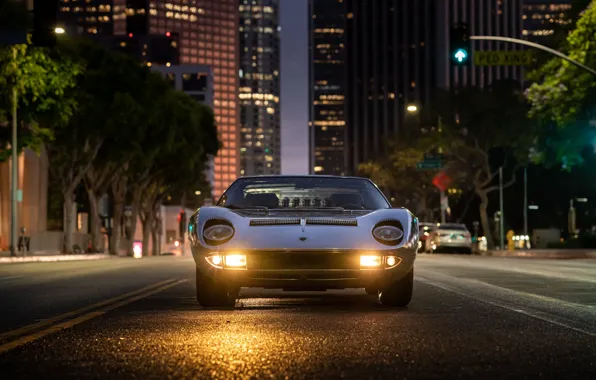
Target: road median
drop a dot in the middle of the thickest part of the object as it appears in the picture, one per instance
(562, 254)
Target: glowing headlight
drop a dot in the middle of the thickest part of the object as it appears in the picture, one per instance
(214, 260)
(235, 261)
(392, 261)
(370, 261)
(388, 234)
(218, 233)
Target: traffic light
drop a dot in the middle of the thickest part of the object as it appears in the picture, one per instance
(45, 17)
(460, 48)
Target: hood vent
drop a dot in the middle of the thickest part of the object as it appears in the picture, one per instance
(333, 222)
(275, 222)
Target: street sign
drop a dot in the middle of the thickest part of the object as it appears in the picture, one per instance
(430, 164)
(502, 58)
(442, 181)
(431, 161)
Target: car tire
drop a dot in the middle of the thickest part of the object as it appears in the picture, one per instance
(399, 293)
(211, 293)
(372, 291)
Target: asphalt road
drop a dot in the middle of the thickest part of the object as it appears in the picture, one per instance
(471, 317)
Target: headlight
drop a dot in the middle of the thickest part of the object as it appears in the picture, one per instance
(388, 234)
(218, 232)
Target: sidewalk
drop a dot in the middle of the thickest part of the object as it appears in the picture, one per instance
(544, 253)
(49, 256)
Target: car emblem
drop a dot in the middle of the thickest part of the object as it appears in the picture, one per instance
(303, 238)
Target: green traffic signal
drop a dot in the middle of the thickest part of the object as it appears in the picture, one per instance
(460, 55)
(460, 46)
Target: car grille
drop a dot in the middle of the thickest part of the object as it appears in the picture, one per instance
(333, 222)
(302, 260)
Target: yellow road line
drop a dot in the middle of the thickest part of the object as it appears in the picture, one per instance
(83, 318)
(60, 317)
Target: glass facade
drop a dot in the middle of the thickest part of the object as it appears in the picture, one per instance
(540, 17)
(107, 17)
(260, 151)
(327, 123)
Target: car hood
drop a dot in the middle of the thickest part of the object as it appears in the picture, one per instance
(303, 230)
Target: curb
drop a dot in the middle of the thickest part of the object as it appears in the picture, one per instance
(53, 258)
(543, 254)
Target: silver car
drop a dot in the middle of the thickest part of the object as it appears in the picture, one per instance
(303, 233)
(451, 237)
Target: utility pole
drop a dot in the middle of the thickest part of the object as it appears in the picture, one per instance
(502, 217)
(526, 201)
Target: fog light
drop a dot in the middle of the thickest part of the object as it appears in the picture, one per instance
(235, 261)
(214, 260)
(392, 261)
(370, 261)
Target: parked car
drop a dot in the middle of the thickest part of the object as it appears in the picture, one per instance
(426, 229)
(451, 237)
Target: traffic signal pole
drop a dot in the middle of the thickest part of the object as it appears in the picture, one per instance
(534, 45)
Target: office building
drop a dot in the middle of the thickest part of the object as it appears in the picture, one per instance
(95, 17)
(327, 86)
(390, 63)
(207, 32)
(540, 17)
(484, 18)
(260, 145)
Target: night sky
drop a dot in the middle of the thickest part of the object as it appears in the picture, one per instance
(294, 86)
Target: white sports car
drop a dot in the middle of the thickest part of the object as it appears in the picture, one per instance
(303, 233)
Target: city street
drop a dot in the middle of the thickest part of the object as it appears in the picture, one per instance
(470, 317)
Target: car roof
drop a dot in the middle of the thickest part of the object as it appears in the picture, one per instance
(302, 176)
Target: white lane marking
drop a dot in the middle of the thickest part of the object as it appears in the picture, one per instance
(10, 278)
(541, 315)
(555, 271)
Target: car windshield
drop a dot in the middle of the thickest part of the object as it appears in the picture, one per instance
(460, 227)
(304, 193)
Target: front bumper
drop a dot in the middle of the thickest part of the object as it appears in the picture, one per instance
(308, 269)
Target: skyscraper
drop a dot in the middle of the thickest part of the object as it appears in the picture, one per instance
(208, 35)
(540, 17)
(390, 63)
(260, 145)
(484, 18)
(327, 123)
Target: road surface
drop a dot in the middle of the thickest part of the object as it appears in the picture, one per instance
(471, 317)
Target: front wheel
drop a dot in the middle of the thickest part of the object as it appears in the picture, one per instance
(211, 293)
(398, 293)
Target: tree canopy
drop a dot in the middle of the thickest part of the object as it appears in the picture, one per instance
(564, 93)
(43, 81)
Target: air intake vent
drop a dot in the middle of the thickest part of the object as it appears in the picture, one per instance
(274, 222)
(333, 222)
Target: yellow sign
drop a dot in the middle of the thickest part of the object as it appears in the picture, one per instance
(502, 58)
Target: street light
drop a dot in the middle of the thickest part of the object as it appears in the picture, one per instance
(59, 30)
(412, 108)
(198, 192)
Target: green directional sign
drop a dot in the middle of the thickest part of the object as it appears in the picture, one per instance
(430, 164)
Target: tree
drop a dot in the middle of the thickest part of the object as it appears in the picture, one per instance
(485, 129)
(397, 174)
(564, 94)
(104, 100)
(42, 81)
(180, 164)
